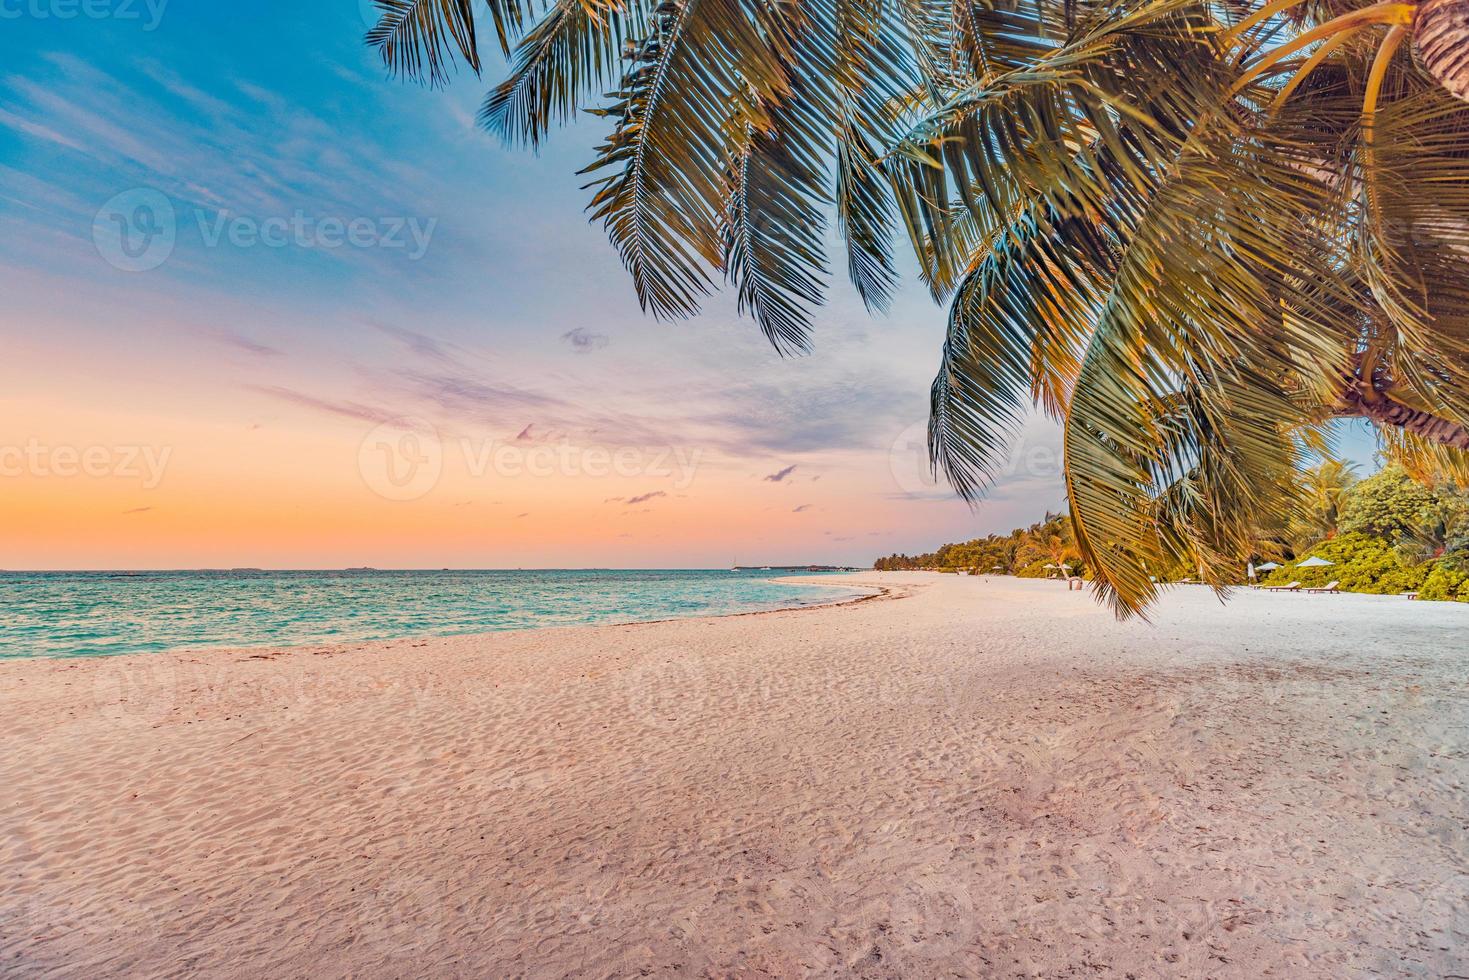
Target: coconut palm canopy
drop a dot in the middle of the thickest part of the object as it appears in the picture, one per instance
(1192, 232)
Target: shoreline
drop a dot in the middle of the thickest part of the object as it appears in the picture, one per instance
(878, 592)
(985, 778)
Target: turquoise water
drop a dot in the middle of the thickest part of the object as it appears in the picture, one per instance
(85, 614)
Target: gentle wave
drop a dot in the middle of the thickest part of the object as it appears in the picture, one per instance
(80, 614)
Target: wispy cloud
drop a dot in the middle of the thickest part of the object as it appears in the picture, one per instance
(780, 475)
(418, 343)
(583, 341)
(801, 509)
(473, 398)
(347, 409)
(645, 497)
(240, 342)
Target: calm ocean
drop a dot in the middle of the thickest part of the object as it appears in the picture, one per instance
(86, 614)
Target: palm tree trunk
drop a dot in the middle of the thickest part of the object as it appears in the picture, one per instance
(1441, 37)
(1383, 410)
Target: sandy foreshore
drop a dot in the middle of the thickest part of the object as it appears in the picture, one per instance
(966, 777)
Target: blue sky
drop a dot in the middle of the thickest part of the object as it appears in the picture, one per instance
(486, 304)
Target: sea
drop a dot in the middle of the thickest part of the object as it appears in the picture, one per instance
(100, 614)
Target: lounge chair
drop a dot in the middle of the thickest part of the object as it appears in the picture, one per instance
(1293, 587)
(1331, 587)
(1411, 595)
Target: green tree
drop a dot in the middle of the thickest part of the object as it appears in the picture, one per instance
(1187, 230)
(1390, 506)
(1316, 512)
(1359, 564)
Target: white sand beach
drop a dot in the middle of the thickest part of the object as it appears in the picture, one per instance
(965, 777)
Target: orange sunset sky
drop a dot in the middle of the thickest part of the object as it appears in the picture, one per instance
(240, 392)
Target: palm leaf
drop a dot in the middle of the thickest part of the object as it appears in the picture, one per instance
(419, 38)
(697, 86)
(572, 54)
(776, 256)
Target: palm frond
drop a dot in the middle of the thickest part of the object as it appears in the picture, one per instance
(572, 54)
(776, 254)
(1414, 243)
(1017, 326)
(864, 219)
(873, 70)
(1426, 461)
(1198, 301)
(698, 84)
(418, 39)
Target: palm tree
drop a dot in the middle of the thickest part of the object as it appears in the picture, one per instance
(1322, 489)
(1061, 551)
(1192, 232)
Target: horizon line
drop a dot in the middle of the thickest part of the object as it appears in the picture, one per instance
(445, 568)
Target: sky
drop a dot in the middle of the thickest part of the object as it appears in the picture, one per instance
(264, 306)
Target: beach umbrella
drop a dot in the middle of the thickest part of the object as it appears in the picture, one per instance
(1250, 569)
(1269, 566)
(1314, 562)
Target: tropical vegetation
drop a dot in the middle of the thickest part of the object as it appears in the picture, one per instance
(1046, 549)
(1193, 232)
(1393, 534)
(1387, 534)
